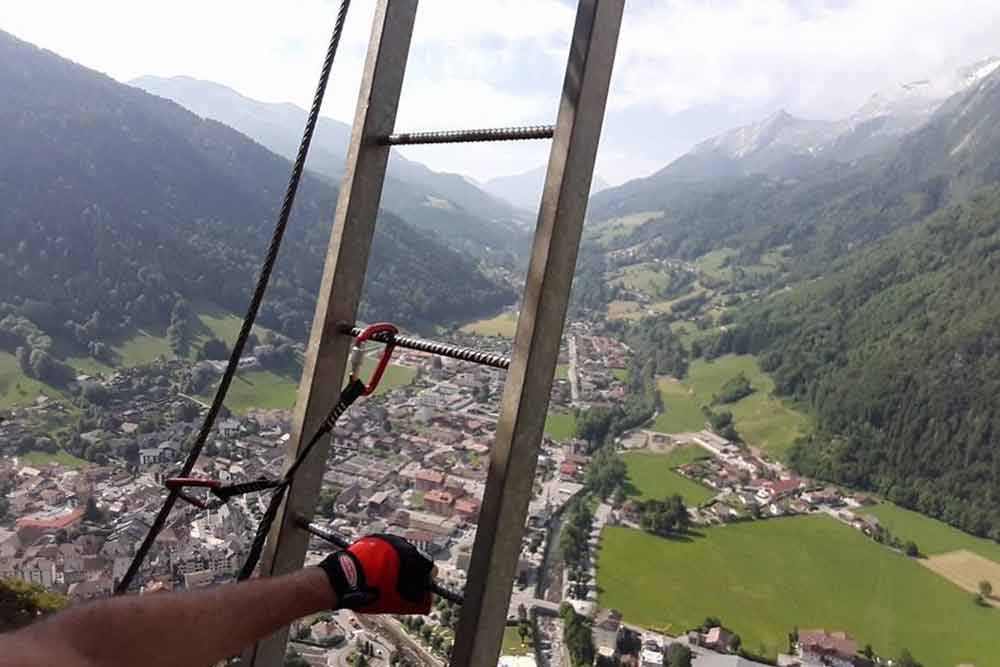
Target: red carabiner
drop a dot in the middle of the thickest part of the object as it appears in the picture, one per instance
(358, 354)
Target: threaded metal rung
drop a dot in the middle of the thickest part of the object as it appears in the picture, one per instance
(442, 349)
(464, 136)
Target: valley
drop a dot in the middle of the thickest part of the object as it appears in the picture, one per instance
(773, 408)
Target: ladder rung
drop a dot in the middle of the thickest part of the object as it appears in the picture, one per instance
(463, 136)
(433, 347)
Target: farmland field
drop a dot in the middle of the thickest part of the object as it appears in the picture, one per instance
(965, 569)
(681, 410)
(763, 420)
(504, 325)
(932, 536)
(560, 425)
(607, 231)
(653, 477)
(766, 577)
(625, 310)
(268, 390)
(18, 390)
(62, 457)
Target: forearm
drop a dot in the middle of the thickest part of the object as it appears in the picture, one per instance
(190, 628)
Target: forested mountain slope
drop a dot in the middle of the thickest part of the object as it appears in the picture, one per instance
(464, 215)
(898, 352)
(115, 203)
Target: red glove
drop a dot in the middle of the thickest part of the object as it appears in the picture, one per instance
(381, 574)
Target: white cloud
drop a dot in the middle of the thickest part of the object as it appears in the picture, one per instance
(497, 62)
(819, 59)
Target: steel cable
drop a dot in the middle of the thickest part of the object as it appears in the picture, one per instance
(254, 307)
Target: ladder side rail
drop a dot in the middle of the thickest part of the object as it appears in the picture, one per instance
(539, 331)
(340, 293)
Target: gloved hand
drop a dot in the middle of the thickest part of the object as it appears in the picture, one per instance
(381, 574)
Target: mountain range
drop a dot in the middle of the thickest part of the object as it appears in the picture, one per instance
(524, 190)
(785, 146)
(462, 214)
(119, 203)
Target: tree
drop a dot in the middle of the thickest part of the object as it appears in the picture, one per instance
(677, 655)
(213, 349)
(186, 411)
(906, 659)
(92, 513)
(911, 549)
(577, 636)
(869, 652)
(710, 622)
(524, 631)
(735, 642)
(985, 589)
(21, 603)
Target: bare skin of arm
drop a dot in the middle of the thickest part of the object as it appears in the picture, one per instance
(191, 628)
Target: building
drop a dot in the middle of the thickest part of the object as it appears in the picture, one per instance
(467, 509)
(718, 639)
(439, 502)
(606, 628)
(429, 480)
(818, 647)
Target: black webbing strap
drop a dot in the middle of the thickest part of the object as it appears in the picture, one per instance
(354, 390)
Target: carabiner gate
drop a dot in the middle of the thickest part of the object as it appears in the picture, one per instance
(358, 354)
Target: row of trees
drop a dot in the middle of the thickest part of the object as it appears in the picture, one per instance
(577, 636)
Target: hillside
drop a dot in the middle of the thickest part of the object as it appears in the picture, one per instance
(897, 353)
(465, 216)
(118, 203)
(778, 183)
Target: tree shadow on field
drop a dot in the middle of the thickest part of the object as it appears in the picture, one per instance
(686, 536)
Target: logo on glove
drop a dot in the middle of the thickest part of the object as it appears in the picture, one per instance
(350, 571)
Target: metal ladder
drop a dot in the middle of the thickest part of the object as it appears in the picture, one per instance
(539, 327)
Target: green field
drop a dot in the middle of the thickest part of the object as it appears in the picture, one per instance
(620, 374)
(763, 420)
(681, 409)
(609, 230)
(688, 332)
(512, 643)
(560, 425)
(625, 310)
(142, 348)
(932, 536)
(504, 325)
(562, 372)
(646, 277)
(653, 477)
(765, 578)
(17, 390)
(268, 390)
(712, 263)
(62, 457)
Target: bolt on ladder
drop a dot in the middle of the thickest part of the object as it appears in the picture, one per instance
(539, 327)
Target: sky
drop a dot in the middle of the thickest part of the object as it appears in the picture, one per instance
(686, 70)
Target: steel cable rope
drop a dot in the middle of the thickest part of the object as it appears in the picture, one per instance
(253, 308)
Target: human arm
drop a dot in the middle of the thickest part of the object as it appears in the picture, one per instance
(377, 574)
(168, 629)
